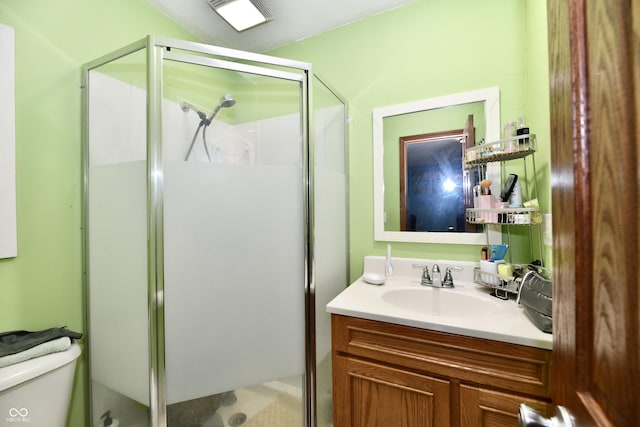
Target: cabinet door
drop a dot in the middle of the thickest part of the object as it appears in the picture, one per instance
(369, 395)
(487, 408)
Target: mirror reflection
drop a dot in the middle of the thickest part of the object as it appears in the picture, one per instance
(434, 188)
(421, 189)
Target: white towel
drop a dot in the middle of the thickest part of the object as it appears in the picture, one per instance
(53, 346)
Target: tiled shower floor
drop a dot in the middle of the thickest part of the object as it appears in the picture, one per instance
(272, 404)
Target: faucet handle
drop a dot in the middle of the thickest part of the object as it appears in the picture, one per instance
(426, 279)
(447, 282)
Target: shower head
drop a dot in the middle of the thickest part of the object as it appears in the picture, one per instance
(226, 101)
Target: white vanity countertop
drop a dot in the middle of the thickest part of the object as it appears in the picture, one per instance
(505, 321)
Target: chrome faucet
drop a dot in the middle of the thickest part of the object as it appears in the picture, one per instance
(426, 279)
(447, 282)
(436, 278)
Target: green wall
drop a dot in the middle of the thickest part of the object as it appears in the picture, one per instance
(425, 49)
(42, 287)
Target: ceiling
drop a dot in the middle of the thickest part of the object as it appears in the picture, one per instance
(293, 20)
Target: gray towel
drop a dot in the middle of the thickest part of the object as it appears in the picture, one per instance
(54, 346)
(17, 341)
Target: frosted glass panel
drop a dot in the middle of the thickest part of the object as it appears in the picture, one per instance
(234, 311)
(118, 271)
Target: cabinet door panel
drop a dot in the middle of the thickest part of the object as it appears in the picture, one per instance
(506, 366)
(367, 395)
(486, 408)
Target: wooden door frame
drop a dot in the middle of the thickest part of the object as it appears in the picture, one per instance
(594, 88)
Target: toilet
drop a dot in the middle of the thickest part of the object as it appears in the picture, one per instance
(37, 392)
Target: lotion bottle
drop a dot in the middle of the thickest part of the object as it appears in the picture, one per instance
(515, 200)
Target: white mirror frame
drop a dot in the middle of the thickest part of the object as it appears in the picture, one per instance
(491, 98)
(8, 225)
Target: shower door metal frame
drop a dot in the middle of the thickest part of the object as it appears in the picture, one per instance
(159, 49)
(86, 92)
(163, 50)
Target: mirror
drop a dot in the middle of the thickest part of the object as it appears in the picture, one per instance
(435, 189)
(397, 127)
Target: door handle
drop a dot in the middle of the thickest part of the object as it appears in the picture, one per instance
(529, 417)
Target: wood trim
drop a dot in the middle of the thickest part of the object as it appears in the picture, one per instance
(595, 410)
(482, 407)
(378, 395)
(582, 176)
(563, 200)
(610, 129)
(521, 369)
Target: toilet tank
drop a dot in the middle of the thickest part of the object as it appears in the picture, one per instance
(37, 392)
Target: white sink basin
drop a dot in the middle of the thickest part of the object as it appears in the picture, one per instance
(467, 309)
(443, 302)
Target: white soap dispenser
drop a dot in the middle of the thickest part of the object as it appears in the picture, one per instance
(388, 269)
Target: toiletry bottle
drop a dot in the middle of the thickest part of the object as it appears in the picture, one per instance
(515, 201)
(509, 131)
(522, 129)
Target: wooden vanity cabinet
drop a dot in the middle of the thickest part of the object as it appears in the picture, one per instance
(392, 375)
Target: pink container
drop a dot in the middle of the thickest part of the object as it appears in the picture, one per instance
(487, 202)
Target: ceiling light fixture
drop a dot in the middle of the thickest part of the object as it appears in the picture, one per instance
(241, 14)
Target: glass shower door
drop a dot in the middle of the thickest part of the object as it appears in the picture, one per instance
(215, 233)
(234, 233)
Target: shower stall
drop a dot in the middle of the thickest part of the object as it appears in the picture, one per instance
(215, 231)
